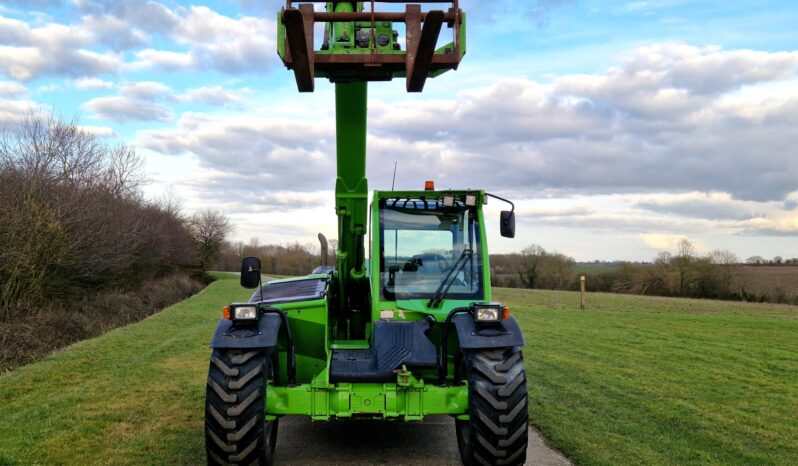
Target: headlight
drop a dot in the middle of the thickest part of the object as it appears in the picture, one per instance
(487, 312)
(245, 312)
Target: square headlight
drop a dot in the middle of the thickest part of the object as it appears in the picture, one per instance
(487, 313)
(245, 312)
(448, 201)
(471, 200)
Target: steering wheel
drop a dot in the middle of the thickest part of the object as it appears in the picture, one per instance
(434, 257)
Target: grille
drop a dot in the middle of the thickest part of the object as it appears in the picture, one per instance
(297, 290)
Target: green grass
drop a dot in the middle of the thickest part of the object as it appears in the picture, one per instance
(632, 380)
(132, 396)
(640, 380)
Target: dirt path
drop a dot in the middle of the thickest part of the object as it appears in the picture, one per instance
(302, 442)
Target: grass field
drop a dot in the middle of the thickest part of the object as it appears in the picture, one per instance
(645, 380)
(132, 396)
(632, 380)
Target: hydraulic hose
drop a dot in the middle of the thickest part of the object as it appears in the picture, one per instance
(443, 367)
(289, 343)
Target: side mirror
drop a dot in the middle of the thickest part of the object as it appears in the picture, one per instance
(507, 224)
(250, 272)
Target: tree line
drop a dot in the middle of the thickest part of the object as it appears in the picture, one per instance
(717, 275)
(276, 259)
(74, 222)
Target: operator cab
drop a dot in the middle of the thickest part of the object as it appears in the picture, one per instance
(427, 243)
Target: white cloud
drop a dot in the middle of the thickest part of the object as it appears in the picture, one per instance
(15, 111)
(33, 3)
(113, 32)
(661, 242)
(147, 101)
(52, 87)
(781, 224)
(12, 89)
(97, 43)
(164, 59)
(215, 41)
(714, 205)
(248, 159)
(213, 95)
(125, 109)
(137, 101)
(661, 120)
(53, 48)
(147, 15)
(100, 131)
(667, 157)
(92, 84)
(144, 90)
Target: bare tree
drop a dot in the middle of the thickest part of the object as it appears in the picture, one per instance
(170, 202)
(723, 257)
(718, 277)
(556, 272)
(209, 229)
(72, 219)
(684, 260)
(529, 267)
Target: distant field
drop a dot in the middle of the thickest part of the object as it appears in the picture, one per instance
(582, 268)
(632, 380)
(769, 279)
(775, 283)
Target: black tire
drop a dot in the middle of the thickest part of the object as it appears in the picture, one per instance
(236, 430)
(497, 429)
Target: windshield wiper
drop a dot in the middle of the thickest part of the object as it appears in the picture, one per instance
(443, 289)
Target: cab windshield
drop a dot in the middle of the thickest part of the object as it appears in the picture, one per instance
(423, 242)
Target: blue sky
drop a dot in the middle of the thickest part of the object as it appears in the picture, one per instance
(620, 127)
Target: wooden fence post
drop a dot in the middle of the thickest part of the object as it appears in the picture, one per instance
(582, 292)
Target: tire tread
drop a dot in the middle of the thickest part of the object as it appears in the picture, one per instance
(497, 429)
(235, 422)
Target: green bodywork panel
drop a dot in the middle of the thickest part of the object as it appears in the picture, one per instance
(410, 399)
(409, 402)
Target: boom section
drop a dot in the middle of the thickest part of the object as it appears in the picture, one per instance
(360, 44)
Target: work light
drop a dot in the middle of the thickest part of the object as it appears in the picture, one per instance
(448, 201)
(488, 313)
(245, 312)
(471, 200)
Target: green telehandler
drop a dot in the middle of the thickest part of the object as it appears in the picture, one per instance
(406, 332)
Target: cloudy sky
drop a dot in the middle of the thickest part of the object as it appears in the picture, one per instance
(619, 127)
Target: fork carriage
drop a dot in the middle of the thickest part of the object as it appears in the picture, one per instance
(363, 46)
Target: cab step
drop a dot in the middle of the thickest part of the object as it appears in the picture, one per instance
(396, 344)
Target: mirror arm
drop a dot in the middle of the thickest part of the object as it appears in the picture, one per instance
(512, 206)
